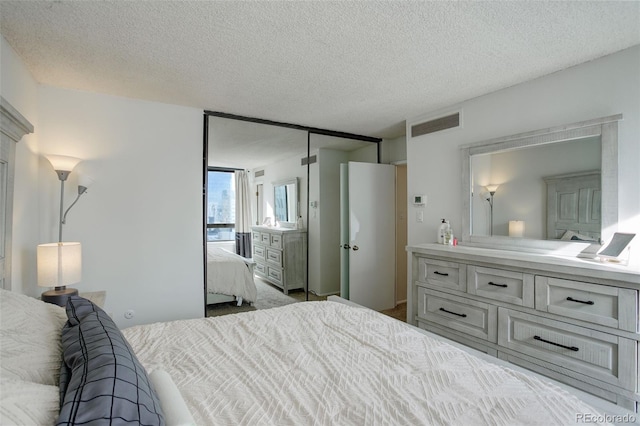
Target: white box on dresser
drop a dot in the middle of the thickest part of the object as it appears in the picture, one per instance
(281, 256)
(571, 319)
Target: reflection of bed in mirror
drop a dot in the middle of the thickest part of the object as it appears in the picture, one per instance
(573, 206)
(229, 277)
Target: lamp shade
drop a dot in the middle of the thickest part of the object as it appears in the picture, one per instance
(492, 188)
(85, 180)
(516, 228)
(59, 264)
(63, 162)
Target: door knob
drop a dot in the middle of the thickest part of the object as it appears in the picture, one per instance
(346, 246)
(356, 248)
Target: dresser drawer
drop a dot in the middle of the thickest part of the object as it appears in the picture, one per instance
(274, 256)
(275, 240)
(443, 274)
(255, 236)
(468, 316)
(265, 238)
(497, 284)
(275, 275)
(260, 269)
(600, 304)
(259, 253)
(586, 352)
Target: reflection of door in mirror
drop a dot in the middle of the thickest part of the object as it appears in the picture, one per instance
(522, 192)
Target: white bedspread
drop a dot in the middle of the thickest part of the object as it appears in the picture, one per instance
(228, 274)
(325, 363)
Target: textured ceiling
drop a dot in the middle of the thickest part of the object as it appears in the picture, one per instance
(360, 67)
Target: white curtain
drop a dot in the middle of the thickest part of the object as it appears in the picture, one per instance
(243, 214)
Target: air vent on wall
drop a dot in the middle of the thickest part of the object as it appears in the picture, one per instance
(436, 125)
(308, 160)
(259, 173)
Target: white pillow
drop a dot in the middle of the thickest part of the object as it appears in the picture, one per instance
(28, 403)
(30, 346)
(175, 410)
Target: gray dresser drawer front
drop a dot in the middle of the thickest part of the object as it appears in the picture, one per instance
(471, 317)
(594, 354)
(275, 275)
(260, 269)
(443, 274)
(276, 241)
(274, 256)
(497, 284)
(599, 304)
(265, 238)
(259, 253)
(255, 236)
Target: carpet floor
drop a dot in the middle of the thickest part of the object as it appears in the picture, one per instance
(268, 297)
(271, 297)
(399, 312)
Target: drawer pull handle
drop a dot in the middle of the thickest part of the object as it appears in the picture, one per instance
(588, 302)
(453, 313)
(444, 274)
(497, 285)
(571, 348)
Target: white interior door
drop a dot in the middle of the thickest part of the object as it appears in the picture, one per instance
(372, 235)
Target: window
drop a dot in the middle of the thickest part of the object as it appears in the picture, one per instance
(221, 205)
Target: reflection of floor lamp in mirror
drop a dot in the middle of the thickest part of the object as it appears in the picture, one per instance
(492, 190)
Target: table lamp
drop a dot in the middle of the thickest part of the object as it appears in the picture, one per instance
(59, 265)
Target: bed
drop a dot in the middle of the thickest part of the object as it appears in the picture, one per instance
(321, 363)
(229, 277)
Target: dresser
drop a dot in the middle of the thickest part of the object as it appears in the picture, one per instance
(570, 319)
(281, 256)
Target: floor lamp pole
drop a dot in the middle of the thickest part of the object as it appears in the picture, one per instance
(490, 200)
(61, 210)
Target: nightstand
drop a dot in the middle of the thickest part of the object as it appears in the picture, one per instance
(97, 297)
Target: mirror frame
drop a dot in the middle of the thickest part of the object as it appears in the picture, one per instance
(606, 128)
(285, 182)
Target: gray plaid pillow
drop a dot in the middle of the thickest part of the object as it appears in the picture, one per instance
(107, 384)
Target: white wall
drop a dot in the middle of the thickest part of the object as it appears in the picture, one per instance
(140, 223)
(599, 88)
(394, 150)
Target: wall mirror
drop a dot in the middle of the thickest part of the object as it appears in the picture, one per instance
(542, 189)
(285, 200)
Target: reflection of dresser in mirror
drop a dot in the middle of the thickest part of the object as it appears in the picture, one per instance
(281, 256)
(573, 206)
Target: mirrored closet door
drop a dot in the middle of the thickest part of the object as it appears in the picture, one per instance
(293, 179)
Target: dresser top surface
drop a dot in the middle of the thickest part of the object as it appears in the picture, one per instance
(276, 229)
(547, 262)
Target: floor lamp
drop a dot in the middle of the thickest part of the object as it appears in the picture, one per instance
(492, 190)
(60, 264)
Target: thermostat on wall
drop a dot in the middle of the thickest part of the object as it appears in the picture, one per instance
(419, 200)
